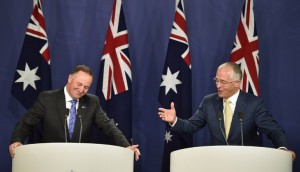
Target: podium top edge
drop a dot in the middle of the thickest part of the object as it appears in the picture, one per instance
(228, 147)
(74, 145)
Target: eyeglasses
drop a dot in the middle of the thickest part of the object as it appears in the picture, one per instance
(222, 82)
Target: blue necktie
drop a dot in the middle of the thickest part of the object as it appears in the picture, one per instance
(72, 117)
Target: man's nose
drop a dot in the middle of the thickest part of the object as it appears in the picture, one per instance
(81, 89)
(218, 84)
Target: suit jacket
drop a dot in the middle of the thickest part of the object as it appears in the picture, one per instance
(50, 110)
(256, 116)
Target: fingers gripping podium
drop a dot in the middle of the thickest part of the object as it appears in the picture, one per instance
(72, 157)
(231, 159)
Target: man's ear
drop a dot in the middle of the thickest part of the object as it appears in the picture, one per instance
(237, 83)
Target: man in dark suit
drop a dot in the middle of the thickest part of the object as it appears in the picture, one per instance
(224, 121)
(51, 110)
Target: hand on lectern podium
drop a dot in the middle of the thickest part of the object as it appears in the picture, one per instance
(137, 152)
(12, 148)
(289, 151)
(293, 154)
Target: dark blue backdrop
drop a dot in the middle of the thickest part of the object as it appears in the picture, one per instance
(76, 32)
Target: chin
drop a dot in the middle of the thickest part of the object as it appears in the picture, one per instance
(220, 94)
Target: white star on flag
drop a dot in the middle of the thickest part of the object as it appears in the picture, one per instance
(168, 136)
(170, 81)
(28, 77)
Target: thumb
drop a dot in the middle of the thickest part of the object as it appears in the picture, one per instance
(172, 106)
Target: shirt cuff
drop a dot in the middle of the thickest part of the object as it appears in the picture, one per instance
(172, 125)
(282, 148)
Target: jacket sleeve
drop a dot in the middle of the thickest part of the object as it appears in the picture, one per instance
(33, 116)
(108, 126)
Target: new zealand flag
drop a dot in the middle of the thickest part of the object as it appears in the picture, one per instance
(114, 83)
(33, 73)
(176, 83)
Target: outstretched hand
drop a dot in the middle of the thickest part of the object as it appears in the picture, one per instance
(168, 115)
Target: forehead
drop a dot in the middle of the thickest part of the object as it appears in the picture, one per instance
(224, 73)
(82, 77)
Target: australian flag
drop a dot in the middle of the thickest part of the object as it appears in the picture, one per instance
(176, 83)
(33, 73)
(245, 49)
(245, 53)
(114, 83)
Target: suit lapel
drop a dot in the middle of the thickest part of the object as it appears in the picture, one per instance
(240, 104)
(219, 108)
(62, 111)
(219, 104)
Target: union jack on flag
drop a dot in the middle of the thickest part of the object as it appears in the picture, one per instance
(176, 83)
(33, 73)
(245, 49)
(117, 65)
(114, 83)
(179, 32)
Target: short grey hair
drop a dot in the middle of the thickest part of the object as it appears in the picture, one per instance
(237, 72)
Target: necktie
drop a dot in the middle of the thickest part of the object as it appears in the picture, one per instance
(72, 117)
(228, 117)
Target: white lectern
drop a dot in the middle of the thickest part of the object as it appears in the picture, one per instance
(230, 159)
(72, 157)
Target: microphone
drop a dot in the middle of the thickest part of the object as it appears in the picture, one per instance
(220, 120)
(241, 116)
(79, 116)
(65, 125)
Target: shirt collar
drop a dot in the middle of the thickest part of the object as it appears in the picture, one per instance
(233, 98)
(67, 95)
